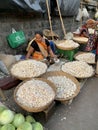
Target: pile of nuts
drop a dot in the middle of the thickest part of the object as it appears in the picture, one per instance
(87, 57)
(35, 93)
(78, 69)
(67, 44)
(80, 39)
(28, 69)
(65, 87)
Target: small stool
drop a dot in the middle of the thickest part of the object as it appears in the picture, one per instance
(49, 111)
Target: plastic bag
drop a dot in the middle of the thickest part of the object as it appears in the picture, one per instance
(96, 14)
(13, 30)
(16, 39)
(85, 13)
(79, 15)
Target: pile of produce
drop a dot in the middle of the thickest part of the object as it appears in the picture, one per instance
(10, 120)
(88, 57)
(66, 85)
(80, 39)
(78, 69)
(34, 94)
(67, 44)
(28, 68)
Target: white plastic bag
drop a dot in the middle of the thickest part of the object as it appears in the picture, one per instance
(79, 15)
(13, 30)
(96, 14)
(85, 13)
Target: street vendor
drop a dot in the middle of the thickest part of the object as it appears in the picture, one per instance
(40, 48)
(87, 30)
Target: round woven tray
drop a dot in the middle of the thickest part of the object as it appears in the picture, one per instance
(60, 73)
(25, 78)
(78, 77)
(35, 109)
(79, 53)
(57, 42)
(81, 40)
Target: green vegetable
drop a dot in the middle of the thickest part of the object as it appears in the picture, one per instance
(2, 108)
(25, 126)
(0, 127)
(30, 119)
(18, 119)
(37, 126)
(6, 116)
(7, 127)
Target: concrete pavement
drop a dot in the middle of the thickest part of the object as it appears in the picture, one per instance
(82, 114)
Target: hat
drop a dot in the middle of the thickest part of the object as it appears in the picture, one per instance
(90, 21)
(48, 33)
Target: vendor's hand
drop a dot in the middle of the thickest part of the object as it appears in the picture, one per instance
(56, 60)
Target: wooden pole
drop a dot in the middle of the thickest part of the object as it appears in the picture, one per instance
(49, 18)
(64, 31)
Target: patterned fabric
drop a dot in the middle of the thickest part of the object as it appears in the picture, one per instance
(91, 42)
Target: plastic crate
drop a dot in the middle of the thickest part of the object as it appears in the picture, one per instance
(68, 53)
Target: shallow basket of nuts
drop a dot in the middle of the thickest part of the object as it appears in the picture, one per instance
(67, 86)
(87, 57)
(66, 44)
(81, 40)
(26, 69)
(78, 69)
(35, 95)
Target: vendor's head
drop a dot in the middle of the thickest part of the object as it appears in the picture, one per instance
(90, 23)
(38, 36)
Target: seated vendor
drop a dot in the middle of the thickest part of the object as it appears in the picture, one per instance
(84, 29)
(40, 48)
(87, 30)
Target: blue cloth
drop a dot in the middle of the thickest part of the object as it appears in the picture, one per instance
(93, 51)
(52, 45)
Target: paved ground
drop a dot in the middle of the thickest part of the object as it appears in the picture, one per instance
(82, 114)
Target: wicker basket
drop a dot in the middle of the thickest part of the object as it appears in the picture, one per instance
(79, 53)
(35, 109)
(27, 77)
(81, 40)
(60, 73)
(79, 77)
(57, 42)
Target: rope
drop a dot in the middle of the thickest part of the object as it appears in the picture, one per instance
(49, 18)
(64, 31)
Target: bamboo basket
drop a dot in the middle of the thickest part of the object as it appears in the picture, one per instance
(80, 77)
(27, 77)
(79, 53)
(35, 109)
(81, 40)
(60, 73)
(57, 42)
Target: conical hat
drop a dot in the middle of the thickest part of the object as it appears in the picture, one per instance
(48, 33)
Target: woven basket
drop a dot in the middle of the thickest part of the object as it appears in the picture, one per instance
(60, 73)
(81, 40)
(48, 33)
(24, 78)
(79, 53)
(57, 42)
(35, 109)
(79, 77)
